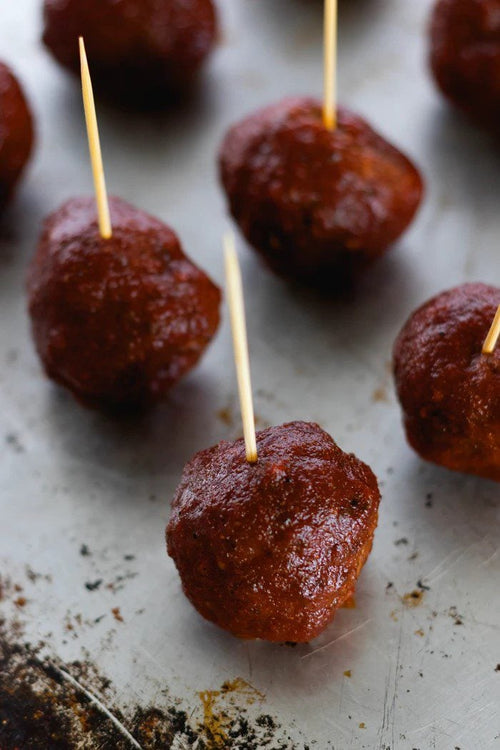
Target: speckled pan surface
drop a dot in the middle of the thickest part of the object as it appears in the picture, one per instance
(84, 500)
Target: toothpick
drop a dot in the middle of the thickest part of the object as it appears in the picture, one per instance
(94, 146)
(238, 325)
(493, 335)
(330, 65)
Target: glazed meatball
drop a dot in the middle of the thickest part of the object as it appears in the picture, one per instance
(318, 205)
(117, 321)
(16, 133)
(449, 391)
(270, 550)
(465, 56)
(144, 53)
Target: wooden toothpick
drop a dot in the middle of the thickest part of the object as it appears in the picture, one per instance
(238, 325)
(330, 65)
(94, 146)
(493, 335)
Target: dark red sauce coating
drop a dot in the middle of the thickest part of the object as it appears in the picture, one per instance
(141, 52)
(448, 389)
(465, 56)
(117, 321)
(16, 133)
(271, 550)
(317, 205)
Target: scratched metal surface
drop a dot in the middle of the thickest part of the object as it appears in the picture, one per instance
(420, 677)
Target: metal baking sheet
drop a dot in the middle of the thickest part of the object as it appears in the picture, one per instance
(85, 500)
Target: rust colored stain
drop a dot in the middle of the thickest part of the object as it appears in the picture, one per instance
(215, 723)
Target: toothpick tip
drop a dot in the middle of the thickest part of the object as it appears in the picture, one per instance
(493, 336)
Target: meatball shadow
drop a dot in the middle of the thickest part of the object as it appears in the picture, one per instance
(123, 128)
(296, 671)
(372, 310)
(475, 175)
(153, 444)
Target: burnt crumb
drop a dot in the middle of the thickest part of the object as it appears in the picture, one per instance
(97, 620)
(389, 586)
(403, 540)
(413, 598)
(13, 441)
(33, 577)
(497, 668)
(428, 500)
(266, 721)
(129, 558)
(39, 709)
(48, 705)
(457, 619)
(422, 586)
(84, 551)
(93, 585)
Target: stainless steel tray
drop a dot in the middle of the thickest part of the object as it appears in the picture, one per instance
(385, 674)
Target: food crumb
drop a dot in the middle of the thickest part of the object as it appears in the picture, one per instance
(413, 598)
(117, 614)
(380, 394)
(225, 415)
(93, 585)
(348, 673)
(420, 632)
(362, 725)
(349, 603)
(20, 602)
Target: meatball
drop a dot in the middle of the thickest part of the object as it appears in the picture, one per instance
(143, 53)
(16, 133)
(117, 321)
(465, 57)
(319, 205)
(449, 391)
(270, 550)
